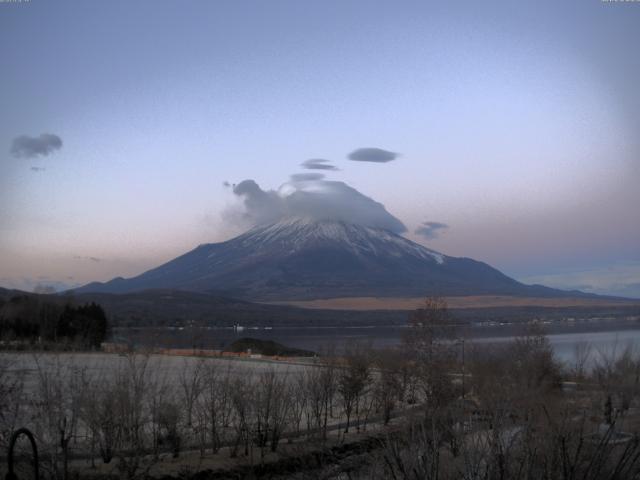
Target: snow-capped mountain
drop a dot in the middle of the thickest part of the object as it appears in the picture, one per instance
(305, 259)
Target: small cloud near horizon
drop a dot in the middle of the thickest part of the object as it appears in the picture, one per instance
(431, 230)
(372, 154)
(25, 146)
(93, 259)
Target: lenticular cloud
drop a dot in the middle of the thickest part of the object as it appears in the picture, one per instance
(314, 199)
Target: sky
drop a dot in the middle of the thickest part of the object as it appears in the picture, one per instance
(501, 131)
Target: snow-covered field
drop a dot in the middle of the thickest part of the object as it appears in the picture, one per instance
(96, 365)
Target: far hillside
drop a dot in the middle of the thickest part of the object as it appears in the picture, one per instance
(178, 308)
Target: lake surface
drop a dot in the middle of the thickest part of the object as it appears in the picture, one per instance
(605, 337)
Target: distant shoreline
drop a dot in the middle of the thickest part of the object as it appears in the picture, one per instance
(462, 302)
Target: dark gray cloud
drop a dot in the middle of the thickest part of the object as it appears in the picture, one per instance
(25, 146)
(372, 154)
(306, 177)
(316, 199)
(318, 164)
(226, 184)
(431, 230)
(38, 169)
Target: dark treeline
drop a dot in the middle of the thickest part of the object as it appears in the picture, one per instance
(46, 319)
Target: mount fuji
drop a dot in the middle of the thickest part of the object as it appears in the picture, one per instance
(301, 259)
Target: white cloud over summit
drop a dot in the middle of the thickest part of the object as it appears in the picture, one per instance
(312, 198)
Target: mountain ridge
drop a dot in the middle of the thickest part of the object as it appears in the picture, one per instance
(298, 259)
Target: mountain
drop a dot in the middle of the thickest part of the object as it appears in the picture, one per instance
(304, 259)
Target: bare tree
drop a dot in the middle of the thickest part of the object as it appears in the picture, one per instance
(582, 353)
(97, 413)
(190, 382)
(280, 413)
(390, 383)
(169, 418)
(320, 388)
(428, 341)
(353, 378)
(158, 390)
(618, 374)
(532, 353)
(548, 443)
(241, 399)
(132, 384)
(216, 402)
(299, 400)
(11, 391)
(270, 410)
(428, 326)
(57, 403)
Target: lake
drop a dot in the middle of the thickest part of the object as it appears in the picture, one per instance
(604, 336)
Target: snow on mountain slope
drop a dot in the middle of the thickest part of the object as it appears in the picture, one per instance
(297, 234)
(308, 259)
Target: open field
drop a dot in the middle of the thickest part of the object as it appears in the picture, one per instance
(103, 365)
(477, 301)
(143, 411)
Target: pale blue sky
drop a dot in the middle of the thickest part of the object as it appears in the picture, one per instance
(517, 124)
